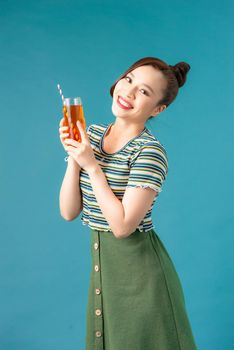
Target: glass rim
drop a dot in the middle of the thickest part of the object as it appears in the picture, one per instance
(72, 101)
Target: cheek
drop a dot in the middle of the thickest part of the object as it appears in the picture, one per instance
(144, 106)
(144, 102)
(118, 86)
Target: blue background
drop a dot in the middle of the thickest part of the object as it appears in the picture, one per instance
(85, 46)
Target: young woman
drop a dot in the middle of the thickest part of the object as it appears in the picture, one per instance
(114, 176)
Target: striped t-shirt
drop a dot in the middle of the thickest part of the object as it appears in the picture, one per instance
(142, 162)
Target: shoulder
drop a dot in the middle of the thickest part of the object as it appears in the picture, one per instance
(96, 129)
(150, 146)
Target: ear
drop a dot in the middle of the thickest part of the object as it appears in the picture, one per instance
(158, 109)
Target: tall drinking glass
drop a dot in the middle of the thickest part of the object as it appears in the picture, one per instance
(73, 111)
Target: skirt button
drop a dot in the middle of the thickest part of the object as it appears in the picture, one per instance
(98, 334)
(95, 246)
(98, 312)
(98, 291)
(96, 267)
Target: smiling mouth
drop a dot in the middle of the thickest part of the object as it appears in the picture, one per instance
(123, 104)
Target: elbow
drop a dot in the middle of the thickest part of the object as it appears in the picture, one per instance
(123, 234)
(67, 217)
(70, 216)
(117, 234)
(126, 231)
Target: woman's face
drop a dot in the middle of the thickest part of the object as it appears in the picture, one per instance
(136, 95)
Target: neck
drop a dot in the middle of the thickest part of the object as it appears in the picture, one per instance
(126, 129)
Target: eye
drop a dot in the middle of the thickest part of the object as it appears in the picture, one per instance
(145, 92)
(127, 77)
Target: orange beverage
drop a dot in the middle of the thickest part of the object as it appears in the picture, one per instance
(73, 111)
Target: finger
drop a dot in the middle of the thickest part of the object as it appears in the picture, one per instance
(62, 128)
(82, 131)
(72, 142)
(70, 148)
(64, 135)
(62, 122)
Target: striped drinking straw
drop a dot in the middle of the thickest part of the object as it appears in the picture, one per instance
(61, 93)
(63, 99)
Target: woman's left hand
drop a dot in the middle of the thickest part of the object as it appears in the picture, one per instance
(81, 152)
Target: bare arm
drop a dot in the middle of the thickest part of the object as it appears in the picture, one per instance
(70, 199)
(123, 216)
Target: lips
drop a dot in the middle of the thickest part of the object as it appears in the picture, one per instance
(123, 103)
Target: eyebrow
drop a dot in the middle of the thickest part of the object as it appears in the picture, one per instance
(144, 84)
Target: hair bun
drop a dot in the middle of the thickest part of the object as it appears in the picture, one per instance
(181, 69)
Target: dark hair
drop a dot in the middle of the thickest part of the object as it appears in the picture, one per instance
(174, 75)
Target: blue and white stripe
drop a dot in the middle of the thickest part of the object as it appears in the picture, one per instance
(142, 162)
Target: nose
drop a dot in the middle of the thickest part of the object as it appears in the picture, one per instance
(130, 92)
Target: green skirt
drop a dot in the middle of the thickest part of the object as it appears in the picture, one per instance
(135, 298)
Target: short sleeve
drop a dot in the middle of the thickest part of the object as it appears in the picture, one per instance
(89, 130)
(149, 167)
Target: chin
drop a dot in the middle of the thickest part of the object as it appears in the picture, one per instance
(115, 110)
(118, 113)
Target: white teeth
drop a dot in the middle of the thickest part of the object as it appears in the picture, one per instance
(124, 103)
